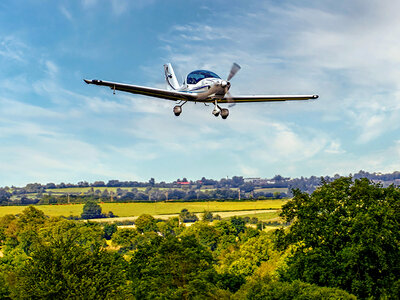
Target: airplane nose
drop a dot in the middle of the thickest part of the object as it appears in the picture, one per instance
(224, 83)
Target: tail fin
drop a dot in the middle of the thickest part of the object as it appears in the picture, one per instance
(170, 77)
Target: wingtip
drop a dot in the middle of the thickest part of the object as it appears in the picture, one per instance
(315, 96)
(87, 81)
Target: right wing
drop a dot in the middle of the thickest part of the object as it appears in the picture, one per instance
(265, 98)
(142, 90)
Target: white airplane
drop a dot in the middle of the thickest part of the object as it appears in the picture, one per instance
(199, 86)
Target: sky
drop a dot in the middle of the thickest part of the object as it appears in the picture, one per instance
(56, 128)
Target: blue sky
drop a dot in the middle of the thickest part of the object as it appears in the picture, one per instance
(55, 128)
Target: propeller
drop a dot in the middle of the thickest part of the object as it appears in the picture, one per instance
(235, 68)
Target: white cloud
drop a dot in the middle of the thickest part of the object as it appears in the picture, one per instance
(119, 6)
(334, 147)
(89, 3)
(12, 48)
(66, 13)
(51, 67)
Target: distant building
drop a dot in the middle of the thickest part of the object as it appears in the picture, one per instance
(252, 179)
(183, 182)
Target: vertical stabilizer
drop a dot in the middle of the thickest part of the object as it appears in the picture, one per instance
(170, 77)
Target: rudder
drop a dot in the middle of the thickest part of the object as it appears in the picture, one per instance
(170, 77)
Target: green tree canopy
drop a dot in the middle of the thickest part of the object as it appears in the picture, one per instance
(249, 255)
(207, 216)
(172, 268)
(238, 223)
(146, 223)
(91, 210)
(264, 289)
(345, 234)
(65, 264)
(109, 230)
(186, 216)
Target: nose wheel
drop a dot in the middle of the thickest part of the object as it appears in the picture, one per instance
(224, 112)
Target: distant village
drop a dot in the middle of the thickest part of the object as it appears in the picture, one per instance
(235, 188)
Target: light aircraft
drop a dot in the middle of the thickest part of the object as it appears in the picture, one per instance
(199, 86)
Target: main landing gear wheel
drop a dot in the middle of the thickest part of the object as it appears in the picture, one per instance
(177, 110)
(224, 113)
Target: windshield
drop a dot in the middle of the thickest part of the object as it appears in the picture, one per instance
(198, 75)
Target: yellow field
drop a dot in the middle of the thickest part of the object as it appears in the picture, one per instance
(161, 208)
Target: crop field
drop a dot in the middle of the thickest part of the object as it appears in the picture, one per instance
(158, 208)
(264, 216)
(272, 190)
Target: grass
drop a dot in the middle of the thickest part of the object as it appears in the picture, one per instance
(159, 208)
(272, 190)
(264, 216)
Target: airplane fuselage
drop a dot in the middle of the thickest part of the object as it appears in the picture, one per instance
(204, 84)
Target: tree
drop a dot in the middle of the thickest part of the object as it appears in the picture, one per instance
(126, 238)
(64, 264)
(172, 268)
(238, 223)
(186, 216)
(205, 234)
(91, 210)
(345, 234)
(237, 181)
(146, 223)
(109, 230)
(207, 216)
(170, 227)
(265, 289)
(4, 196)
(31, 217)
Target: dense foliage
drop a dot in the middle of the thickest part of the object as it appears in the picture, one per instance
(346, 234)
(91, 210)
(343, 238)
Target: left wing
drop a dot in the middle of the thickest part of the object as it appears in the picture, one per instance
(142, 90)
(265, 98)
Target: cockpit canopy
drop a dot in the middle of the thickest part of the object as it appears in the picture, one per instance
(195, 76)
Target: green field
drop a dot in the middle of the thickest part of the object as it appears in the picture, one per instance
(159, 208)
(264, 216)
(272, 190)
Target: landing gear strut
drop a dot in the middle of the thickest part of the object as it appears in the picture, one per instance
(216, 109)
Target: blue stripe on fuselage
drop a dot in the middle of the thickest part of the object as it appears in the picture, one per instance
(200, 87)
